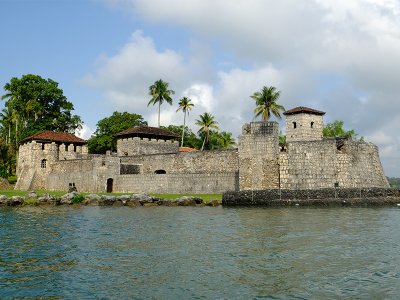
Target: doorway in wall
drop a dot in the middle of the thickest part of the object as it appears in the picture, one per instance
(110, 185)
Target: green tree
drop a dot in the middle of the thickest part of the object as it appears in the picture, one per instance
(266, 103)
(35, 104)
(159, 93)
(335, 129)
(221, 140)
(191, 139)
(185, 104)
(103, 138)
(206, 123)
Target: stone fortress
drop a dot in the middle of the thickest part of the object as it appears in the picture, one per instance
(149, 160)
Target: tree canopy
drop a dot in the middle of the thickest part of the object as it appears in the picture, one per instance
(35, 104)
(103, 138)
(335, 129)
(266, 103)
(159, 93)
(206, 122)
(185, 104)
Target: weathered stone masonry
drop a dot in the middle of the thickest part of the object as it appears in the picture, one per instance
(148, 160)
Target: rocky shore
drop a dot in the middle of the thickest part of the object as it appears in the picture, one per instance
(74, 198)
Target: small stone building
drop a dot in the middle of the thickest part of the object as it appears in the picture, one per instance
(150, 160)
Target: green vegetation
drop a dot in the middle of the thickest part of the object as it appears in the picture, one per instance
(266, 103)
(335, 129)
(32, 104)
(394, 182)
(206, 123)
(185, 104)
(159, 93)
(77, 199)
(31, 201)
(103, 138)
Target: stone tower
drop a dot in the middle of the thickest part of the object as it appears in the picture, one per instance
(303, 124)
(259, 156)
(38, 153)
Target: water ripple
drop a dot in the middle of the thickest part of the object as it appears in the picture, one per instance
(199, 253)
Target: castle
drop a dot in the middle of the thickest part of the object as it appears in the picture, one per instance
(150, 160)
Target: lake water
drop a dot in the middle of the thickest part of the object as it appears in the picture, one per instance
(199, 253)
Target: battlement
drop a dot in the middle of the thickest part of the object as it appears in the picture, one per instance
(261, 128)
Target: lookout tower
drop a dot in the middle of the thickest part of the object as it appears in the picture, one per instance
(304, 124)
(146, 140)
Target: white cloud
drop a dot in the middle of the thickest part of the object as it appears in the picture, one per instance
(85, 132)
(342, 57)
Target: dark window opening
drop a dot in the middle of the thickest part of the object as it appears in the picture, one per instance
(42, 146)
(160, 172)
(74, 148)
(294, 125)
(66, 147)
(103, 162)
(43, 163)
(312, 124)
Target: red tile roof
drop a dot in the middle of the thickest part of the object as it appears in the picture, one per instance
(146, 131)
(302, 109)
(50, 136)
(187, 149)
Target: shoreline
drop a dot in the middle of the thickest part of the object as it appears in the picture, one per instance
(318, 197)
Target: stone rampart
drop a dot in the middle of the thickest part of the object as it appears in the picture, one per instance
(199, 183)
(315, 197)
(187, 162)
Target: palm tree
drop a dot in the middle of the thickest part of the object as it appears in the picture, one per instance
(159, 92)
(266, 103)
(206, 123)
(185, 104)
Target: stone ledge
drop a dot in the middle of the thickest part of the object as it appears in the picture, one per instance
(318, 197)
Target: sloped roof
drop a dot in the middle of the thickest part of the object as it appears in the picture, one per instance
(303, 109)
(147, 131)
(187, 149)
(50, 136)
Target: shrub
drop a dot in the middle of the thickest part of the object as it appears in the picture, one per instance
(78, 199)
(31, 201)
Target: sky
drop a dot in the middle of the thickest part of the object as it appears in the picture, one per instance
(341, 57)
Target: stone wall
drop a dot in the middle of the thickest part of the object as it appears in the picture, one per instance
(329, 162)
(187, 162)
(195, 172)
(138, 146)
(200, 183)
(317, 197)
(308, 127)
(309, 165)
(259, 156)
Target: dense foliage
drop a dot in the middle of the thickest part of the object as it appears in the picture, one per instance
(32, 104)
(103, 138)
(335, 129)
(394, 182)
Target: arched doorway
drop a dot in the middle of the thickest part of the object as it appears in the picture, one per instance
(110, 185)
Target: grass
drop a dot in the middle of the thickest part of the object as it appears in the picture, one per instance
(205, 197)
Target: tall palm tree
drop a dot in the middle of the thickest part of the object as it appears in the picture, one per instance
(206, 122)
(159, 92)
(185, 104)
(266, 103)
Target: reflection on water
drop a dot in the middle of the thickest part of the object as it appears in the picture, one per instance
(171, 253)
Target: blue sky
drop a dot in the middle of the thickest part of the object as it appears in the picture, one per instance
(342, 57)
